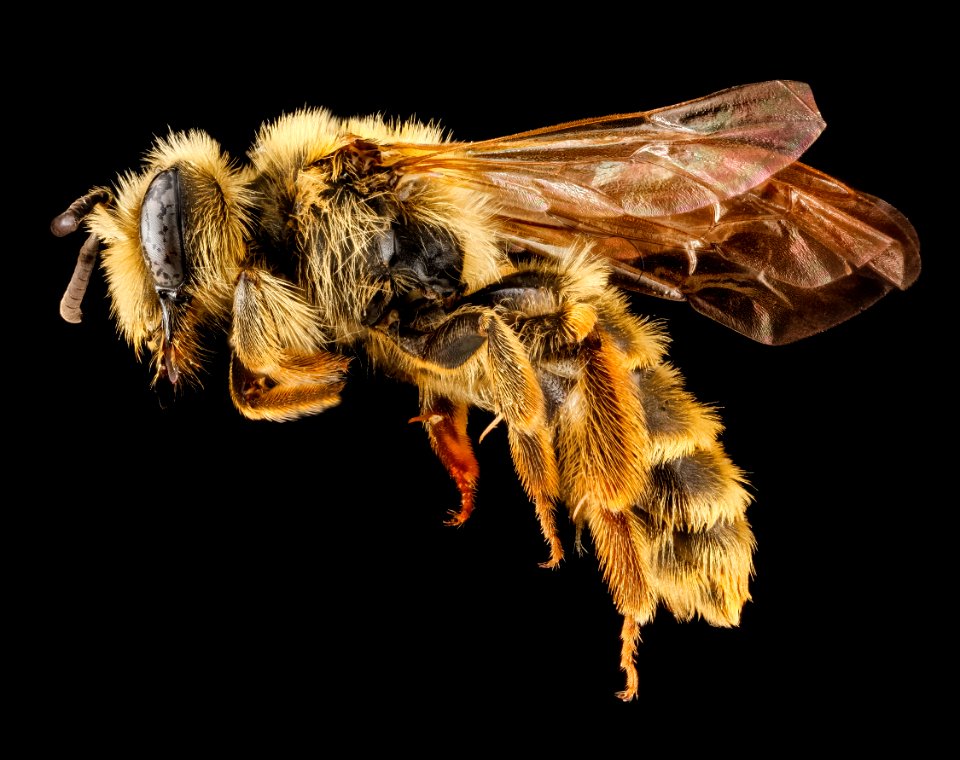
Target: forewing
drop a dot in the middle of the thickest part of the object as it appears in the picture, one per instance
(650, 164)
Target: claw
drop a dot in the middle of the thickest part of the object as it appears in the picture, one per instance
(496, 421)
(627, 694)
(556, 554)
(430, 419)
(576, 509)
(458, 518)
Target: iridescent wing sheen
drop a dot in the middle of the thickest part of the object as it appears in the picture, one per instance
(702, 201)
(790, 258)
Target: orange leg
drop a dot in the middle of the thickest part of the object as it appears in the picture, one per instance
(279, 370)
(301, 385)
(630, 636)
(446, 425)
(536, 465)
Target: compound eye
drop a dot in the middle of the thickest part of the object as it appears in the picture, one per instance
(161, 238)
(161, 233)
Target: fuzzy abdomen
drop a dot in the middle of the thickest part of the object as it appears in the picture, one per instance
(637, 457)
(642, 468)
(694, 515)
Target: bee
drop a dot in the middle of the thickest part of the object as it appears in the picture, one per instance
(493, 276)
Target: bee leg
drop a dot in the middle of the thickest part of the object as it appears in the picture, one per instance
(623, 551)
(294, 386)
(520, 400)
(470, 342)
(522, 405)
(446, 424)
(278, 372)
(532, 456)
(551, 324)
(536, 466)
(630, 636)
(478, 336)
(584, 347)
(604, 451)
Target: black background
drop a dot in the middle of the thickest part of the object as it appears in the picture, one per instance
(178, 565)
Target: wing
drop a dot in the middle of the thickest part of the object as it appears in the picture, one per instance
(702, 201)
(790, 258)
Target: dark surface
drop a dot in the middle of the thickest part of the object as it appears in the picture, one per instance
(176, 560)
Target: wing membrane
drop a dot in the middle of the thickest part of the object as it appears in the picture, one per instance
(703, 201)
(656, 163)
(790, 258)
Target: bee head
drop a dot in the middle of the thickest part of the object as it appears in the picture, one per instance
(173, 238)
(192, 242)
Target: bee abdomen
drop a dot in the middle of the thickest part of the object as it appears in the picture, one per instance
(693, 491)
(676, 422)
(639, 458)
(683, 539)
(694, 514)
(704, 573)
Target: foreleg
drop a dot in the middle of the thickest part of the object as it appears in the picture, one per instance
(278, 370)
